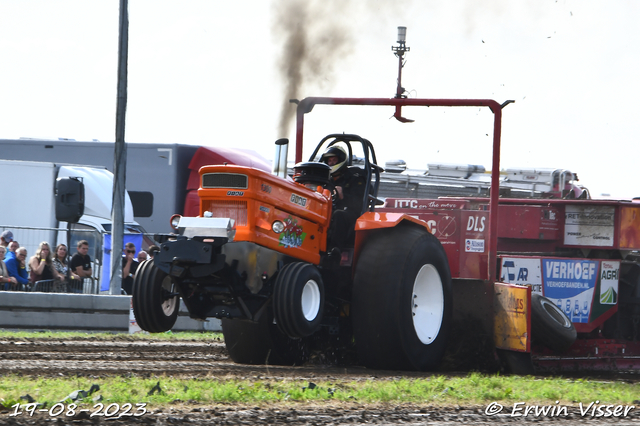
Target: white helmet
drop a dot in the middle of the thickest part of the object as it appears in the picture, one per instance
(335, 151)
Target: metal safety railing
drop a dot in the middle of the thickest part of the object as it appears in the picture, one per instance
(86, 286)
(31, 237)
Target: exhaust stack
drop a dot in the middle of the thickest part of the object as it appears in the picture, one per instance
(280, 161)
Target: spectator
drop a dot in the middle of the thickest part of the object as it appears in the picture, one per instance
(81, 264)
(129, 267)
(152, 250)
(142, 256)
(5, 238)
(11, 250)
(60, 265)
(60, 262)
(41, 266)
(17, 268)
(5, 280)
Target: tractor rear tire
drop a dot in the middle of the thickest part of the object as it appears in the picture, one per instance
(298, 299)
(402, 300)
(550, 326)
(155, 310)
(262, 342)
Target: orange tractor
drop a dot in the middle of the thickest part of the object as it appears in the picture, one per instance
(257, 258)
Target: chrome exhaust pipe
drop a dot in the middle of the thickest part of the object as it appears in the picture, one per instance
(280, 162)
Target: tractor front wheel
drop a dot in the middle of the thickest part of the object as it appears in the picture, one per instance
(155, 302)
(402, 300)
(298, 299)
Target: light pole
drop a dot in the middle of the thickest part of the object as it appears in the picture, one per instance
(399, 51)
(120, 155)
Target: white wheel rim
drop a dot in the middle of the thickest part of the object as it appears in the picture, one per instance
(310, 300)
(427, 304)
(169, 305)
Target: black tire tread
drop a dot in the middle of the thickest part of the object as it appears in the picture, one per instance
(546, 330)
(147, 300)
(286, 303)
(262, 342)
(137, 296)
(281, 297)
(378, 308)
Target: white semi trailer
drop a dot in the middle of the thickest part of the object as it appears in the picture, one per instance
(29, 209)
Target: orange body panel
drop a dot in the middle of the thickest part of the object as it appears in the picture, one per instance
(371, 221)
(630, 227)
(267, 198)
(375, 220)
(512, 320)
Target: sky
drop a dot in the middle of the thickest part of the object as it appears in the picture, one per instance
(220, 73)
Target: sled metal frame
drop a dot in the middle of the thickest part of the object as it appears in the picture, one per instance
(306, 105)
(587, 353)
(590, 355)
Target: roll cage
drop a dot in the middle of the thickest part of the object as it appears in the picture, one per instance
(371, 169)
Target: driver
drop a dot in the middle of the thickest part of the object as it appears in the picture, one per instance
(349, 187)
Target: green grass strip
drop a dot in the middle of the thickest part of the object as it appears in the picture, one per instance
(78, 335)
(474, 388)
(436, 390)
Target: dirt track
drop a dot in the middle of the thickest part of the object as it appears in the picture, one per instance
(47, 358)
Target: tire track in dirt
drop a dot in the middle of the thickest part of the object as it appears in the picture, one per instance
(47, 358)
(192, 359)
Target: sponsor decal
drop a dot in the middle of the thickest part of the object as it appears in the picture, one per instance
(432, 225)
(265, 188)
(474, 246)
(522, 272)
(297, 199)
(292, 236)
(571, 284)
(425, 204)
(412, 204)
(549, 221)
(515, 305)
(609, 282)
(446, 226)
(264, 209)
(589, 225)
(235, 193)
(476, 223)
(441, 226)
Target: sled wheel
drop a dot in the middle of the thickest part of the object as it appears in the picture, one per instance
(154, 307)
(298, 299)
(262, 342)
(402, 301)
(550, 326)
